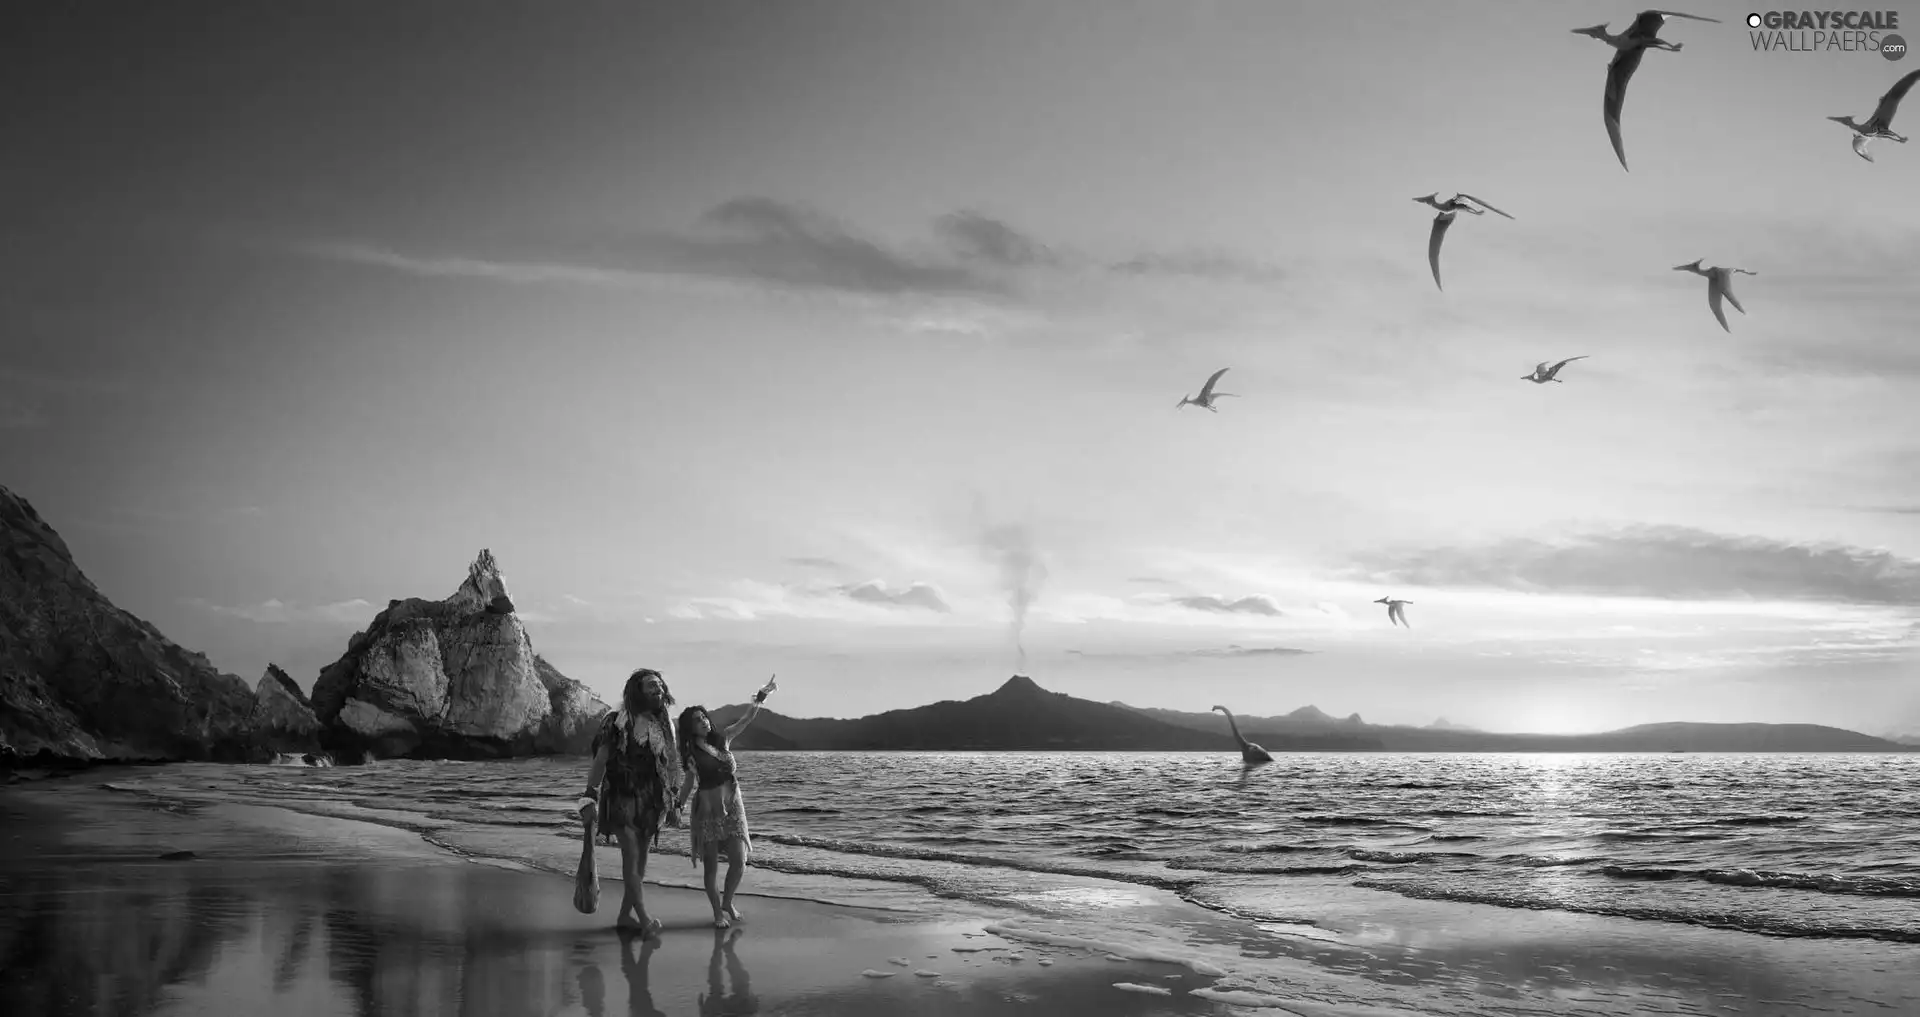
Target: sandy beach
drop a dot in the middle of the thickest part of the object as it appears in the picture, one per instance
(292, 915)
(113, 903)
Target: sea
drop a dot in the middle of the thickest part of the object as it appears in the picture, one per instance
(1782, 846)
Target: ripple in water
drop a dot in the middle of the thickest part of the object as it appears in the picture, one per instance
(1785, 845)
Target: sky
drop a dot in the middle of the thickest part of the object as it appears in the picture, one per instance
(843, 340)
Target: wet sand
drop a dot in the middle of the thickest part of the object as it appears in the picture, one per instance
(286, 915)
(121, 904)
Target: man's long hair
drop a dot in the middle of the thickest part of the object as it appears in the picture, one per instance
(633, 700)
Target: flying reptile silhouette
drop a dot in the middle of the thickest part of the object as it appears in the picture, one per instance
(1880, 124)
(1543, 374)
(1450, 210)
(1207, 395)
(1632, 44)
(1719, 287)
(1396, 610)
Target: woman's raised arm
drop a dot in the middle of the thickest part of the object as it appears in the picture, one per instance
(734, 729)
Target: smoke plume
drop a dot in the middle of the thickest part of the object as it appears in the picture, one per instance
(1022, 573)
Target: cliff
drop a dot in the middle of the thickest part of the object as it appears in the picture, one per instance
(282, 718)
(82, 680)
(454, 678)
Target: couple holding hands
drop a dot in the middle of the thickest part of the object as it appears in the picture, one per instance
(638, 758)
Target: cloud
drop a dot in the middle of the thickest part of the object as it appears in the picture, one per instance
(274, 611)
(1136, 615)
(1236, 650)
(816, 563)
(971, 257)
(1899, 510)
(1669, 562)
(873, 600)
(776, 242)
(1255, 604)
(1230, 651)
(918, 595)
(977, 237)
(1200, 265)
(457, 267)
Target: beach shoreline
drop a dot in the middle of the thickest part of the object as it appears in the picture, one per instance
(82, 860)
(249, 908)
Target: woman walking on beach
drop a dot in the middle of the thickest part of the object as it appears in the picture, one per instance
(635, 754)
(719, 819)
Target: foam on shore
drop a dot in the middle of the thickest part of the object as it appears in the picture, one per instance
(1319, 947)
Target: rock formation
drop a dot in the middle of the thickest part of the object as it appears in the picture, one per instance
(83, 680)
(454, 678)
(283, 721)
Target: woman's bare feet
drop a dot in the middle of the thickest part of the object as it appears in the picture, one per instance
(720, 920)
(733, 911)
(644, 926)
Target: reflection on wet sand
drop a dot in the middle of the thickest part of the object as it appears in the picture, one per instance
(717, 1000)
(184, 939)
(636, 957)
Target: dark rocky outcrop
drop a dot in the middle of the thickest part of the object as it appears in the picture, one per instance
(84, 681)
(454, 678)
(283, 720)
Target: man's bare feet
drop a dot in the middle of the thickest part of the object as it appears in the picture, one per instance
(720, 922)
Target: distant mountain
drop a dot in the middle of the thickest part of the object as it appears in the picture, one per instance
(1443, 724)
(1022, 716)
(1304, 730)
(1019, 715)
(1679, 736)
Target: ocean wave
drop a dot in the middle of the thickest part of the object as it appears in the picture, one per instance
(1657, 835)
(1251, 867)
(1831, 843)
(1269, 847)
(1406, 857)
(1547, 861)
(1769, 925)
(1337, 820)
(898, 851)
(1819, 882)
